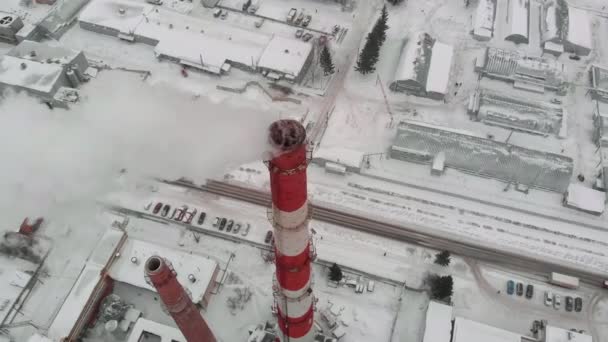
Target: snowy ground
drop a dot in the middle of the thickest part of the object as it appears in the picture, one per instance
(62, 162)
(477, 285)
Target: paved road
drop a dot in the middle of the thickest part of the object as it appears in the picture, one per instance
(412, 234)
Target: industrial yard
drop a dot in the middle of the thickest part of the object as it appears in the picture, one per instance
(232, 170)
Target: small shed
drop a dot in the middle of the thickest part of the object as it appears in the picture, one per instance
(585, 199)
(438, 166)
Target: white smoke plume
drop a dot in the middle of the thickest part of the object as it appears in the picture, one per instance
(55, 161)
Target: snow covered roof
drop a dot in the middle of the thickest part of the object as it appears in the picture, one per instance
(599, 77)
(72, 307)
(43, 52)
(165, 332)
(107, 13)
(554, 334)
(125, 270)
(36, 76)
(483, 22)
(285, 55)
(62, 15)
(340, 155)
(470, 331)
(579, 27)
(439, 71)
(517, 20)
(586, 198)
(549, 29)
(438, 326)
(415, 58)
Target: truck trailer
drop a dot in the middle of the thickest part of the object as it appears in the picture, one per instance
(563, 280)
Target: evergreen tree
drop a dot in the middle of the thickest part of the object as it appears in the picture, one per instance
(381, 26)
(335, 272)
(443, 258)
(395, 2)
(442, 288)
(326, 61)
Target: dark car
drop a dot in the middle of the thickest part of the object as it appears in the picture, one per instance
(223, 223)
(578, 304)
(165, 211)
(510, 287)
(201, 219)
(157, 208)
(229, 226)
(569, 303)
(575, 57)
(268, 237)
(529, 291)
(520, 289)
(237, 228)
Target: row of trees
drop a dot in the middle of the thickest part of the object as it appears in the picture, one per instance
(366, 63)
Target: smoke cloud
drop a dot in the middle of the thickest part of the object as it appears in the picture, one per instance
(56, 161)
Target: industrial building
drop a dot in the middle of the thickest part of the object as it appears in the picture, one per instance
(118, 266)
(528, 73)
(566, 28)
(600, 137)
(598, 77)
(10, 24)
(424, 67)
(212, 47)
(518, 22)
(421, 143)
(41, 70)
(483, 20)
(516, 113)
(61, 17)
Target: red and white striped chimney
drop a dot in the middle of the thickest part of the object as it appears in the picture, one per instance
(290, 215)
(178, 303)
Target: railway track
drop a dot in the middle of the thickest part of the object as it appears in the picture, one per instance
(411, 234)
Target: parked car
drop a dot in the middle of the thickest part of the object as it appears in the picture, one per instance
(520, 289)
(306, 20)
(575, 57)
(246, 230)
(578, 304)
(569, 303)
(181, 213)
(217, 12)
(190, 214)
(229, 226)
(510, 287)
(299, 19)
(157, 208)
(147, 206)
(556, 101)
(548, 298)
(291, 15)
(299, 33)
(223, 223)
(557, 301)
(529, 291)
(306, 37)
(165, 211)
(237, 228)
(201, 218)
(268, 237)
(224, 14)
(217, 221)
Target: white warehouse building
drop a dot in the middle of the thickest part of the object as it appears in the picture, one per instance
(424, 67)
(213, 47)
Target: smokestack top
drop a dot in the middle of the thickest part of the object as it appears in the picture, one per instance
(287, 135)
(153, 265)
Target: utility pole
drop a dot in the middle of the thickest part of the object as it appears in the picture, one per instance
(388, 108)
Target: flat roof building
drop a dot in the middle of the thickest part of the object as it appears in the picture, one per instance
(10, 24)
(518, 21)
(598, 77)
(438, 325)
(483, 20)
(567, 26)
(209, 46)
(466, 330)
